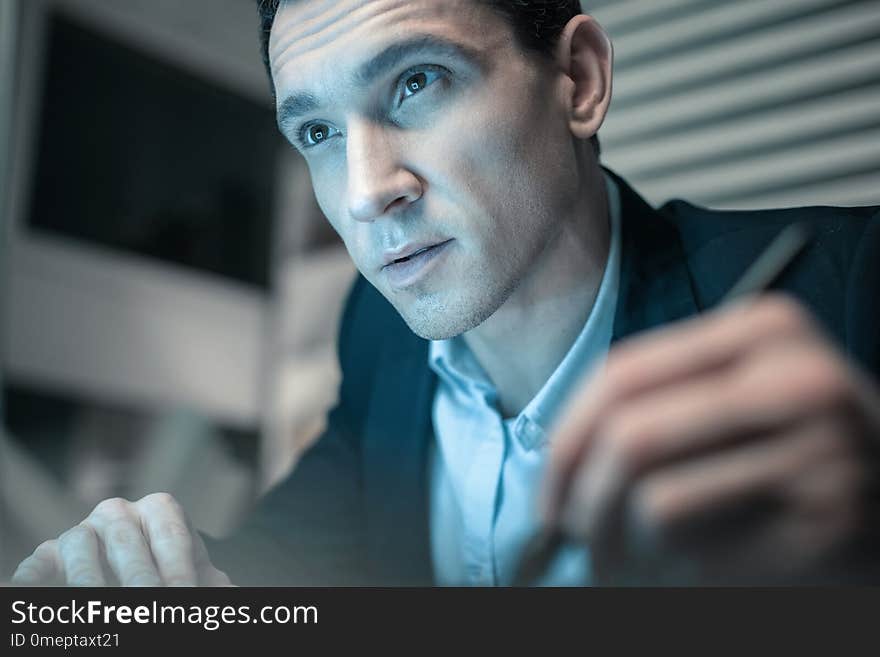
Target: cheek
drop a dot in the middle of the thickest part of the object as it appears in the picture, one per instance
(480, 156)
(326, 188)
(331, 201)
(505, 167)
(329, 187)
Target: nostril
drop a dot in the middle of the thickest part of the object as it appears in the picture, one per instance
(400, 200)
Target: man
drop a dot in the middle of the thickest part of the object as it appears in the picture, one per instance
(452, 146)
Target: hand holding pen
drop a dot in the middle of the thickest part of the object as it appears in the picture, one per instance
(736, 447)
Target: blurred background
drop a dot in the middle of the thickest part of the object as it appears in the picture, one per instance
(169, 291)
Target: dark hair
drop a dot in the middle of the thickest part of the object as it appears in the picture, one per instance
(537, 25)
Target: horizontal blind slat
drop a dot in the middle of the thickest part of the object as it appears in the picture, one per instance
(717, 24)
(764, 131)
(777, 170)
(853, 190)
(848, 68)
(616, 14)
(815, 36)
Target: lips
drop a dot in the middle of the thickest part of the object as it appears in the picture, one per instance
(411, 264)
(408, 251)
(413, 255)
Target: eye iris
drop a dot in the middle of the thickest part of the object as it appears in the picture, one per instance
(417, 82)
(317, 133)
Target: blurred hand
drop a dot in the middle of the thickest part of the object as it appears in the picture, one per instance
(738, 446)
(145, 543)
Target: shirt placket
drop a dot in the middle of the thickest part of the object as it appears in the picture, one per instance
(482, 485)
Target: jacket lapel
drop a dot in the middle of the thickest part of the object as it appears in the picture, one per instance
(397, 437)
(655, 284)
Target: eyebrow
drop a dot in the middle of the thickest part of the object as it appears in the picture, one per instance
(391, 55)
(300, 103)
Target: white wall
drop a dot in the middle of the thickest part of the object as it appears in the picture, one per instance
(92, 323)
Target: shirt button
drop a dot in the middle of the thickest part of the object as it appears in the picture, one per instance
(530, 434)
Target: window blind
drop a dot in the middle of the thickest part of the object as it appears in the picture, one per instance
(745, 104)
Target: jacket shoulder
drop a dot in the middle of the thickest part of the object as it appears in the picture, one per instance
(719, 245)
(837, 276)
(700, 226)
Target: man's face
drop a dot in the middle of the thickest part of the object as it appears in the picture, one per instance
(424, 124)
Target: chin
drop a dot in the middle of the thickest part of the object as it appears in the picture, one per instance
(434, 318)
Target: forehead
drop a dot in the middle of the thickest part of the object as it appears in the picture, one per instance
(314, 34)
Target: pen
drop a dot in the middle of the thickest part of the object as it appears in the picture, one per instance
(779, 254)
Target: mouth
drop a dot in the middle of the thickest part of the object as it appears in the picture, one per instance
(413, 255)
(409, 252)
(411, 263)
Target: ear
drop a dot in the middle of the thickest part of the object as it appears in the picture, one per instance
(585, 55)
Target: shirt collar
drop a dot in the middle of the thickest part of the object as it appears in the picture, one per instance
(453, 361)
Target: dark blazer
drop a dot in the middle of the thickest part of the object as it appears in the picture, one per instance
(355, 509)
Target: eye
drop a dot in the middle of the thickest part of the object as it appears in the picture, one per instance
(313, 134)
(416, 81)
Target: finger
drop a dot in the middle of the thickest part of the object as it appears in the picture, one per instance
(208, 574)
(822, 514)
(834, 488)
(125, 544)
(670, 502)
(660, 359)
(708, 342)
(79, 553)
(780, 384)
(211, 576)
(40, 568)
(170, 539)
(788, 547)
(648, 432)
(765, 395)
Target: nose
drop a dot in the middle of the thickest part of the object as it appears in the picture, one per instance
(378, 183)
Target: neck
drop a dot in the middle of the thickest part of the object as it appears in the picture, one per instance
(524, 341)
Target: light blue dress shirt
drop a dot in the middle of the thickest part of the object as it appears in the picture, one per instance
(485, 470)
